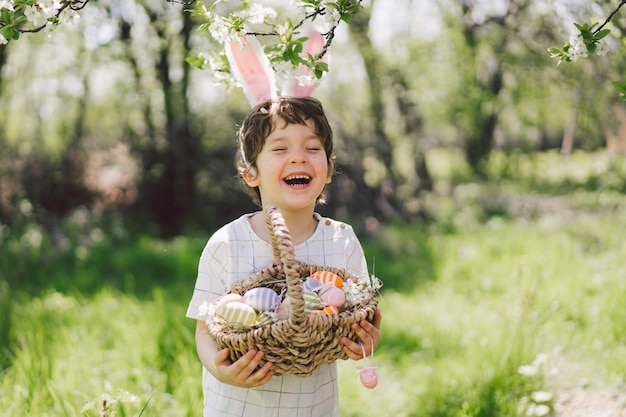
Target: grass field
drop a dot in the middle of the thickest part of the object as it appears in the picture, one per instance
(506, 301)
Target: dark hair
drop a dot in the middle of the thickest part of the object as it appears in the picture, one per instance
(262, 120)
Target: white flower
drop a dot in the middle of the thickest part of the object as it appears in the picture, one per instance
(306, 80)
(259, 14)
(541, 396)
(602, 47)
(34, 15)
(203, 311)
(220, 30)
(577, 48)
(6, 4)
(3, 40)
(69, 17)
(527, 370)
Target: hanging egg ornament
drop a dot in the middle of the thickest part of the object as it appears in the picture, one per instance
(262, 299)
(236, 313)
(223, 301)
(332, 296)
(327, 277)
(368, 376)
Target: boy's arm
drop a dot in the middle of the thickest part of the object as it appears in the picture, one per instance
(242, 373)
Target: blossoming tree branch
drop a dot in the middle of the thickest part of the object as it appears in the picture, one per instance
(283, 36)
(590, 40)
(29, 16)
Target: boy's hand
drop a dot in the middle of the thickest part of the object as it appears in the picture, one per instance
(243, 372)
(369, 333)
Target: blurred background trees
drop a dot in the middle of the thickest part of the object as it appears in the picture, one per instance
(106, 119)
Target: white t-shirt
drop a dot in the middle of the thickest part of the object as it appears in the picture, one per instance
(232, 255)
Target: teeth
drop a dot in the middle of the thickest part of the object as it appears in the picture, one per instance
(297, 177)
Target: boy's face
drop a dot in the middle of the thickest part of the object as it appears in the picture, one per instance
(292, 168)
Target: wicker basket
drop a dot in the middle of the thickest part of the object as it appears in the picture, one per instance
(296, 345)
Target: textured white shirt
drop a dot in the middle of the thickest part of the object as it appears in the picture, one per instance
(232, 255)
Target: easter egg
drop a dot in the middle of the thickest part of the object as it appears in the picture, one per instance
(237, 313)
(311, 301)
(326, 310)
(327, 277)
(332, 296)
(310, 284)
(225, 299)
(368, 377)
(262, 299)
(282, 312)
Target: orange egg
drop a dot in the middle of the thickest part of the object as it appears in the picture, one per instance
(326, 277)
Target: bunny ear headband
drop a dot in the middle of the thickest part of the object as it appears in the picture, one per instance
(251, 68)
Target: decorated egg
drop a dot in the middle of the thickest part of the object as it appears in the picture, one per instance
(327, 277)
(332, 296)
(310, 284)
(262, 299)
(225, 299)
(311, 301)
(326, 310)
(368, 376)
(282, 312)
(239, 313)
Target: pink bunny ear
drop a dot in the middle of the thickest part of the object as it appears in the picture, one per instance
(250, 66)
(314, 45)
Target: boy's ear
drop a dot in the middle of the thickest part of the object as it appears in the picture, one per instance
(331, 170)
(251, 177)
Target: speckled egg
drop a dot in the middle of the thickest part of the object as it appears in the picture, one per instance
(326, 277)
(236, 313)
(332, 296)
(262, 299)
(224, 300)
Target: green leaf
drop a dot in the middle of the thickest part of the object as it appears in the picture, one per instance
(346, 17)
(591, 48)
(620, 86)
(196, 61)
(601, 34)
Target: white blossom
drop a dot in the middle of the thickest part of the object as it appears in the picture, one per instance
(6, 4)
(259, 14)
(577, 48)
(69, 17)
(306, 80)
(3, 40)
(220, 30)
(34, 15)
(602, 47)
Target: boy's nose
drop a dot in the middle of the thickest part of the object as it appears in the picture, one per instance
(298, 157)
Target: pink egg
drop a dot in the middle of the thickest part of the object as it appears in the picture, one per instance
(326, 277)
(368, 376)
(282, 312)
(332, 296)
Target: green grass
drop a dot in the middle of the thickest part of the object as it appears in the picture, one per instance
(468, 301)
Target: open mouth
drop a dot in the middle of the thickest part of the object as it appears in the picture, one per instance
(297, 180)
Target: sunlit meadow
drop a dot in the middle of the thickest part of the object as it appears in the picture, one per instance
(504, 301)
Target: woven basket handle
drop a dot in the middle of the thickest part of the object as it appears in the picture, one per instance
(285, 255)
